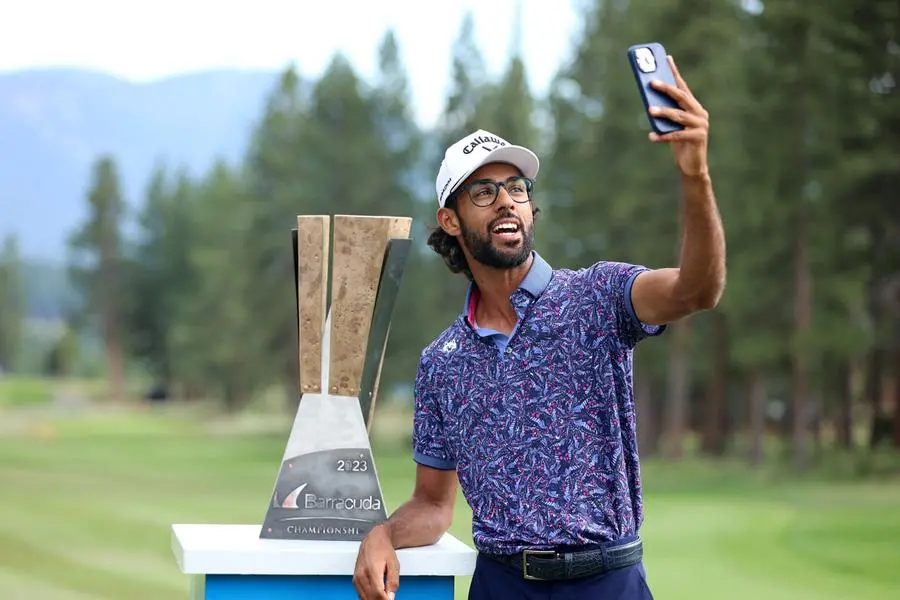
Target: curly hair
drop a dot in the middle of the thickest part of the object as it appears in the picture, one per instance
(448, 246)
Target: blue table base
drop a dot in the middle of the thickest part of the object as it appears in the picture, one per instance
(318, 587)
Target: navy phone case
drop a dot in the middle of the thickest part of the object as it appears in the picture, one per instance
(649, 62)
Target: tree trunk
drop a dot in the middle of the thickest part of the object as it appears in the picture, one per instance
(116, 373)
(716, 397)
(231, 397)
(814, 413)
(235, 392)
(844, 420)
(874, 392)
(756, 392)
(802, 326)
(676, 396)
(112, 331)
(896, 381)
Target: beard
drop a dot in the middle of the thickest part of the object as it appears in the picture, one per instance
(503, 256)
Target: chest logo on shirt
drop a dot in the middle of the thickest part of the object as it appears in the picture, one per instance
(449, 346)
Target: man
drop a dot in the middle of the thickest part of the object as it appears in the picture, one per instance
(526, 399)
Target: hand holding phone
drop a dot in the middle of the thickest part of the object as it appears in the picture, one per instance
(676, 116)
(649, 62)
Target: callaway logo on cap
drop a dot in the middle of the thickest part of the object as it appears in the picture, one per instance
(476, 149)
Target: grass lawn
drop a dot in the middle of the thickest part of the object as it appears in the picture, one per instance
(87, 505)
(24, 391)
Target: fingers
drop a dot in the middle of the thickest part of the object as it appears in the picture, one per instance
(679, 116)
(393, 578)
(680, 92)
(677, 74)
(683, 97)
(368, 579)
(686, 135)
(377, 580)
(676, 93)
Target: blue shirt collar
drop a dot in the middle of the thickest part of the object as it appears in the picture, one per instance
(538, 277)
(535, 281)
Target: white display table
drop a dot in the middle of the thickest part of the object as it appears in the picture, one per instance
(231, 562)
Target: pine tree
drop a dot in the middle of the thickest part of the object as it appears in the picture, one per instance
(12, 304)
(158, 271)
(96, 267)
(217, 344)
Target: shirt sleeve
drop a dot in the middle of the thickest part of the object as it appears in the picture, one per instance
(429, 435)
(612, 282)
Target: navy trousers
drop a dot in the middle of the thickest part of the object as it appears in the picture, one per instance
(495, 581)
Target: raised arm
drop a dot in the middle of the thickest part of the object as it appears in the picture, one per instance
(665, 295)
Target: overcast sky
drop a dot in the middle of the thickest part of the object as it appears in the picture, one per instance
(146, 40)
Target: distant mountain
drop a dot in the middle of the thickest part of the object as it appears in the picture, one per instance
(55, 122)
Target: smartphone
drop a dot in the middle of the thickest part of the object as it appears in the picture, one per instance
(648, 62)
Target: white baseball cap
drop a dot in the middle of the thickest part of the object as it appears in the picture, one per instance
(476, 149)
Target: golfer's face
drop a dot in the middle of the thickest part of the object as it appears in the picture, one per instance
(495, 215)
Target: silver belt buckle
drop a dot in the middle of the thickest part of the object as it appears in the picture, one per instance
(526, 553)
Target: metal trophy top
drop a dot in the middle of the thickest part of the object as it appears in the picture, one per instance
(327, 487)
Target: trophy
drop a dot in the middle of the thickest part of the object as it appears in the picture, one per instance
(327, 496)
(327, 487)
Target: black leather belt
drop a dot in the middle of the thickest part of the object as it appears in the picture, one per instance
(549, 565)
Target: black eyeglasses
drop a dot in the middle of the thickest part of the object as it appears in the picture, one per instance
(484, 192)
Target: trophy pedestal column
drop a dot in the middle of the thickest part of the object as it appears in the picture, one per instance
(231, 562)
